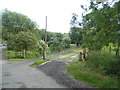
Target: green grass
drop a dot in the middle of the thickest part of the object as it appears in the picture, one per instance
(38, 62)
(16, 59)
(19, 59)
(80, 72)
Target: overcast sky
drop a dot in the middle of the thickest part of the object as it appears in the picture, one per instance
(59, 12)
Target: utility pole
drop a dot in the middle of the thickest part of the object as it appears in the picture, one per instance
(44, 53)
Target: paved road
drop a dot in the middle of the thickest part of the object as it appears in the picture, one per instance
(21, 75)
(50, 75)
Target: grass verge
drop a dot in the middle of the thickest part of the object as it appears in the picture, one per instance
(16, 59)
(80, 72)
(38, 62)
(19, 59)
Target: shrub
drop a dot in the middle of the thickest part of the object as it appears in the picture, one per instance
(105, 62)
(112, 68)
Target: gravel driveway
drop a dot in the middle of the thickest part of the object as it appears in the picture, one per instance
(57, 70)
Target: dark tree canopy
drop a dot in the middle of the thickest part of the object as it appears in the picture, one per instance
(76, 35)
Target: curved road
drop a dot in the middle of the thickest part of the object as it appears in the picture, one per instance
(50, 75)
(21, 75)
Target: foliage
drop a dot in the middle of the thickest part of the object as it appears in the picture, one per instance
(11, 41)
(16, 22)
(25, 41)
(76, 35)
(38, 33)
(103, 30)
(55, 45)
(82, 73)
(16, 55)
(66, 42)
(58, 42)
(41, 46)
(98, 32)
(104, 62)
(59, 36)
(23, 36)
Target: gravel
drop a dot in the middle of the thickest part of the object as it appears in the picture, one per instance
(57, 70)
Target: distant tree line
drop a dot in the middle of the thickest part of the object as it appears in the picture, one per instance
(22, 35)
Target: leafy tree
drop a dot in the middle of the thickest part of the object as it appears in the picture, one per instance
(11, 42)
(102, 30)
(58, 41)
(24, 41)
(41, 46)
(54, 45)
(76, 35)
(15, 22)
(66, 42)
(59, 36)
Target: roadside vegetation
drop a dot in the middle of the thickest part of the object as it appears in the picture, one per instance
(38, 62)
(98, 31)
(24, 39)
(102, 37)
(100, 70)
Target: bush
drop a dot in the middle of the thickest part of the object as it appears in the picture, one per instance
(10, 54)
(81, 72)
(112, 68)
(32, 54)
(104, 62)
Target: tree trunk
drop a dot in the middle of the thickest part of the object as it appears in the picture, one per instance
(24, 53)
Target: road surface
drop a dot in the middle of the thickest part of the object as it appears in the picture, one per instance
(57, 70)
(21, 75)
(50, 75)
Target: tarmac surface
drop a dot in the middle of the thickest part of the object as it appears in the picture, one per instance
(21, 75)
(50, 75)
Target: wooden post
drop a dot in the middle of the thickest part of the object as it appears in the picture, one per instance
(84, 54)
(44, 53)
